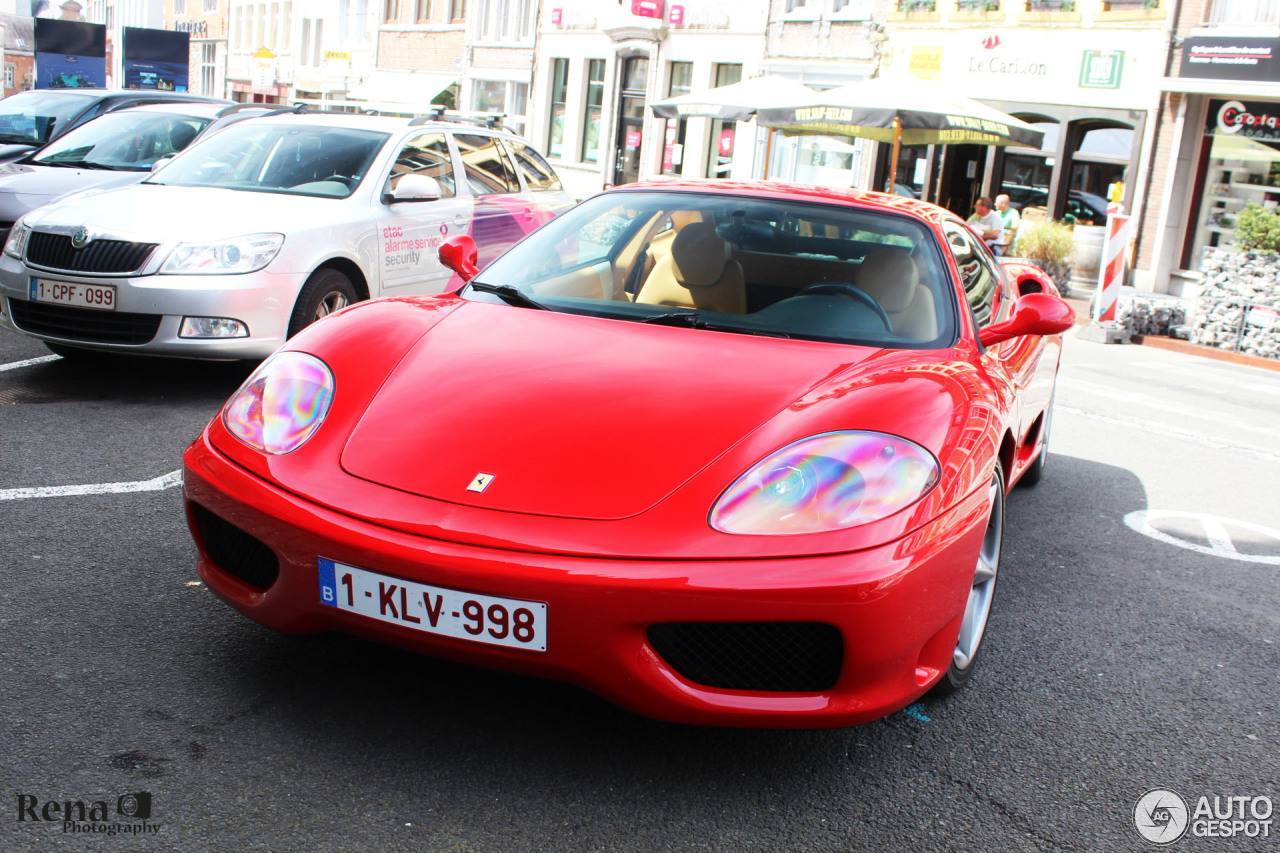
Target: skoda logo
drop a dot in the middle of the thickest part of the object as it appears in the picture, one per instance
(79, 238)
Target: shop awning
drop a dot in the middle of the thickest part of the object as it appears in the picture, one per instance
(1221, 88)
(401, 91)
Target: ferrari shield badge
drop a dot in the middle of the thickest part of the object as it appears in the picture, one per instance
(480, 483)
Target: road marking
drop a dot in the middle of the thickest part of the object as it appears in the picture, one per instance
(155, 484)
(1215, 529)
(1155, 428)
(14, 365)
(1139, 399)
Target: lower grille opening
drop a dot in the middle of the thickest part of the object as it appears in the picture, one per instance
(236, 552)
(84, 324)
(782, 657)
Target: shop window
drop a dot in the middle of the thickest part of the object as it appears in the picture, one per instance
(559, 91)
(1099, 167)
(1026, 172)
(1236, 12)
(673, 143)
(593, 110)
(1237, 171)
(723, 133)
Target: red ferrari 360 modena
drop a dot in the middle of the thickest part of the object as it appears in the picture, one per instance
(724, 453)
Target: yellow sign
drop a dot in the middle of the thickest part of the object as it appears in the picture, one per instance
(263, 53)
(338, 54)
(926, 63)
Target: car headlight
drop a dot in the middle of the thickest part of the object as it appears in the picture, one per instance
(16, 245)
(281, 404)
(826, 482)
(226, 257)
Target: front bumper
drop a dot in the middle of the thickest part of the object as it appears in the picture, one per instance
(898, 625)
(150, 309)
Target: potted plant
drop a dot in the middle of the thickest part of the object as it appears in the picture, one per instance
(1048, 245)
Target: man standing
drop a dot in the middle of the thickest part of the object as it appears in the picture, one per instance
(1010, 217)
(985, 222)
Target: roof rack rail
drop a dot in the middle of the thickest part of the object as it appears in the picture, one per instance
(440, 113)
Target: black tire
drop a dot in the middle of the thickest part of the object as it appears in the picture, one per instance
(986, 572)
(1035, 473)
(326, 291)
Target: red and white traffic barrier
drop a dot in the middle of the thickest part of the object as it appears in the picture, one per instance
(1111, 272)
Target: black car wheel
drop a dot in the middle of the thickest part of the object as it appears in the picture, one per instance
(326, 291)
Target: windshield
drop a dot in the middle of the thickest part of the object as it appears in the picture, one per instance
(32, 117)
(829, 272)
(276, 158)
(124, 140)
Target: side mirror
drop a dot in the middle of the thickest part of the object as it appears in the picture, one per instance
(162, 162)
(1033, 314)
(459, 254)
(414, 188)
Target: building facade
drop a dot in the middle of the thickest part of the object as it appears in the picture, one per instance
(1218, 138)
(1086, 72)
(260, 51)
(205, 22)
(599, 66)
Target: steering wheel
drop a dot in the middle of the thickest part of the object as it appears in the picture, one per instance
(855, 293)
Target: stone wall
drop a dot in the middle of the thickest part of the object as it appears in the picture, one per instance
(1238, 307)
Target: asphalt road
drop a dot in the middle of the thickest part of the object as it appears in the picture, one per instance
(1117, 661)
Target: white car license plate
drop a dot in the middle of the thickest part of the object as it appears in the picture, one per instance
(100, 296)
(433, 609)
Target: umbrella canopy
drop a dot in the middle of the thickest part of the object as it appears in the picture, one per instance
(909, 111)
(902, 111)
(737, 101)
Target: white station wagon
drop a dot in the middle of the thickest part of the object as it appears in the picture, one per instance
(253, 233)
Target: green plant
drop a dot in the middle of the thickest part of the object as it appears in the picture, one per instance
(1258, 229)
(1049, 241)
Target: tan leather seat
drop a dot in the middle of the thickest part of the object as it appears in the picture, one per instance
(698, 273)
(890, 277)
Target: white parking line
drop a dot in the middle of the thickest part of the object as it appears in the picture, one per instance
(14, 365)
(155, 484)
(1154, 428)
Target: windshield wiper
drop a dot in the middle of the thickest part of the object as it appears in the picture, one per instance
(694, 320)
(72, 164)
(508, 294)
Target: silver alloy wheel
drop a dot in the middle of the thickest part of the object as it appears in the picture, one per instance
(978, 608)
(332, 302)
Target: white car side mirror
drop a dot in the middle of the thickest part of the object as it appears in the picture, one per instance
(414, 188)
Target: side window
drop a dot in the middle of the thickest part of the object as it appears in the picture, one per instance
(537, 174)
(487, 168)
(986, 290)
(426, 154)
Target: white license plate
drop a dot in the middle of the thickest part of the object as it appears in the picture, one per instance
(488, 619)
(101, 296)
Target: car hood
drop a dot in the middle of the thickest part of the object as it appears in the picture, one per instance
(28, 186)
(632, 411)
(157, 213)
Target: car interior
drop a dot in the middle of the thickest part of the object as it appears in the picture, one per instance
(821, 271)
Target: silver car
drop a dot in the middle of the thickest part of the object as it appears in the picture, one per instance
(264, 227)
(119, 148)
